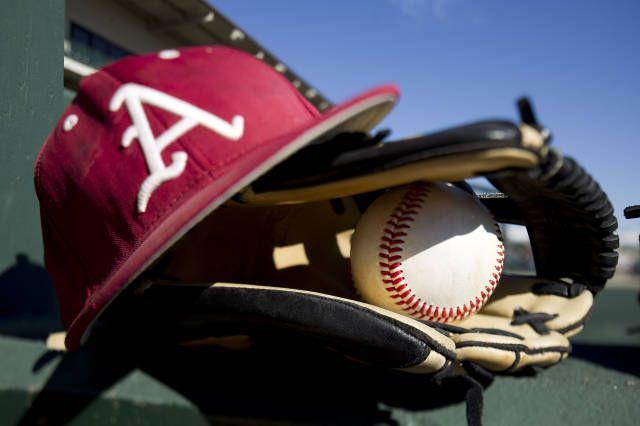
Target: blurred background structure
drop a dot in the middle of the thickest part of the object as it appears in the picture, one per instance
(100, 31)
(455, 61)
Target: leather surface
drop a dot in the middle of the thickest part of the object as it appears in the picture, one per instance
(356, 329)
(353, 163)
(349, 155)
(569, 218)
(303, 247)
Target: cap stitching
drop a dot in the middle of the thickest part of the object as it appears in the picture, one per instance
(62, 238)
(314, 115)
(40, 192)
(177, 140)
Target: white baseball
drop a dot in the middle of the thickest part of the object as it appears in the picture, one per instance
(428, 250)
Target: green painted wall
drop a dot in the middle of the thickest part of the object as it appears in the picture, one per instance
(31, 67)
(31, 100)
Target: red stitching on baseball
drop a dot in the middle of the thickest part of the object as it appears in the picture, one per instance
(403, 214)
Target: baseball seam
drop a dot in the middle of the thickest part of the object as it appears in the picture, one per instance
(390, 263)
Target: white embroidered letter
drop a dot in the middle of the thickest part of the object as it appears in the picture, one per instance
(134, 95)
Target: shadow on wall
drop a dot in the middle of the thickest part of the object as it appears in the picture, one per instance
(28, 305)
(261, 385)
(615, 357)
(271, 383)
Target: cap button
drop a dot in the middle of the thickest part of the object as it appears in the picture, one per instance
(70, 122)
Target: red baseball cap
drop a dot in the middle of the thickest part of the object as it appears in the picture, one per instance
(149, 146)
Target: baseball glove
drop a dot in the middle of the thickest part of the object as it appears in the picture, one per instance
(278, 256)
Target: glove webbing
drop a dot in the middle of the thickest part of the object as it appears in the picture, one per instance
(569, 218)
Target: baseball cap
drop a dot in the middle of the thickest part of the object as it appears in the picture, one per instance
(153, 143)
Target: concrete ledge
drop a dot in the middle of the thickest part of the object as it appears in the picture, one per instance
(599, 384)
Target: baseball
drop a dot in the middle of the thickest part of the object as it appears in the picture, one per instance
(428, 250)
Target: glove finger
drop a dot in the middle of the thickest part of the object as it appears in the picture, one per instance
(347, 166)
(497, 345)
(566, 305)
(559, 198)
(355, 329)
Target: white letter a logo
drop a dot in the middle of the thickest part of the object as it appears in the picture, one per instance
(134, 95)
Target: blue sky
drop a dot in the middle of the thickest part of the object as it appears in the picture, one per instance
(461, 60)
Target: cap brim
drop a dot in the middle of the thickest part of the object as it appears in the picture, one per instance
(361, 113)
